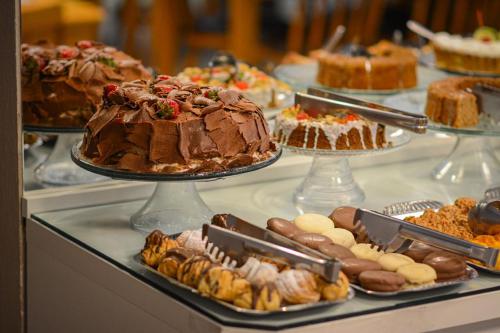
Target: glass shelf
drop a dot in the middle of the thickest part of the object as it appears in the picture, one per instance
(105, 231)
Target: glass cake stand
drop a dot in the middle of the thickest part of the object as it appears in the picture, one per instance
(329, 182)
(472, 158)
(175, 204)
(57, 169)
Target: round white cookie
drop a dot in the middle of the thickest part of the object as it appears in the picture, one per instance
(392, 261)
(366, 251)
(418, 273)
(340, 237)
(313, 223)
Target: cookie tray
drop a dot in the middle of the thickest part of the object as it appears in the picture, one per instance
(471, 273)
(401, 210)
(283, 309)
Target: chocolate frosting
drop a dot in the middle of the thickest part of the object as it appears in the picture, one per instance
(165, 126)
(62, 85)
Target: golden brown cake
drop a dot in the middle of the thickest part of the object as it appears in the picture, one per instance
(480, 53)
(345, 131)
(62, 85)
(385, 66)
(171, 127)
(449, 103)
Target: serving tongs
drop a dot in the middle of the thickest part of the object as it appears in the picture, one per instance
(395, 235)
(325, 102)
(240, 246)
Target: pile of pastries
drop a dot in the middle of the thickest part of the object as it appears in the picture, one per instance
(260, 284)
(365, 264)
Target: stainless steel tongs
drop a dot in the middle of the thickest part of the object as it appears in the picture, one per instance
(239, 246)
(397, 235)
(326, 102)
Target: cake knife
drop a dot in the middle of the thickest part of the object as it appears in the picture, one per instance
(488, 100)
(396, 235)
(239, 246)
(326, 102)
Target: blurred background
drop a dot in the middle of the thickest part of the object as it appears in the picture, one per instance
(172, 34)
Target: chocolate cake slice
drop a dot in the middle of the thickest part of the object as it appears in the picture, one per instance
(62, 85)
(167, 126)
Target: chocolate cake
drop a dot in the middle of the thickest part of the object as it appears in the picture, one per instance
(166, 126)
(343, 131)
(62, 85)
(449, 102)
(382, 66)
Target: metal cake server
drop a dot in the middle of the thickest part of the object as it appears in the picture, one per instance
(488, 100)
(492, 193)
(239, 247)
(325, 102)
(408, 207)
(395, 235)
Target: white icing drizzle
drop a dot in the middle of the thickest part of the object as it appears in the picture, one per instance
(316, 136)
(306, 135)
(368, 69)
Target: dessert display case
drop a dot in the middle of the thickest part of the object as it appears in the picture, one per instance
(85, 248)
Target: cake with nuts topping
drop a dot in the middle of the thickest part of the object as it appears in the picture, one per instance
(167, 126)
(342, 130)
(62, 85)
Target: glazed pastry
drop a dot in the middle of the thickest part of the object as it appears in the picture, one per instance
(448, 266)
(154, 238)
(265, 297)
(171, 261)
(381, 281)
(154, 253)
(340, 237)
(258, 273)
(418, 251)
(352, 267)
(191, 271)
(283, 227)
(336, 251)
(392, 261)
(219, 283)
(297, 286)
(314, 223)
(192, 240)
(418, 273)
(312, 240)
(333, 291)
(366, 251)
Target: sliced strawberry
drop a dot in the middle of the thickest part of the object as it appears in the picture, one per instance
(242, 85)
(163, 77)
(351, 117)
(109, 89)
(68, 53)
(302, 116)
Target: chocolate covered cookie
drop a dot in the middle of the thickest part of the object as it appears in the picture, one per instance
(381, 280)
(283, 227)
(352, 267)
(448, 266)
(336, 251)
(312, 240)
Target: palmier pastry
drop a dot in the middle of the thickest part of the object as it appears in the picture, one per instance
(265, 298)
(219, 282)
(297, 286)
(171, 261)
(192, 270)
(154, 253)
(333, 291)
(154, 238)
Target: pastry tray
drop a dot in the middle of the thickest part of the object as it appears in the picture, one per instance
(401, 210)
(471, 273)
(283, 309)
